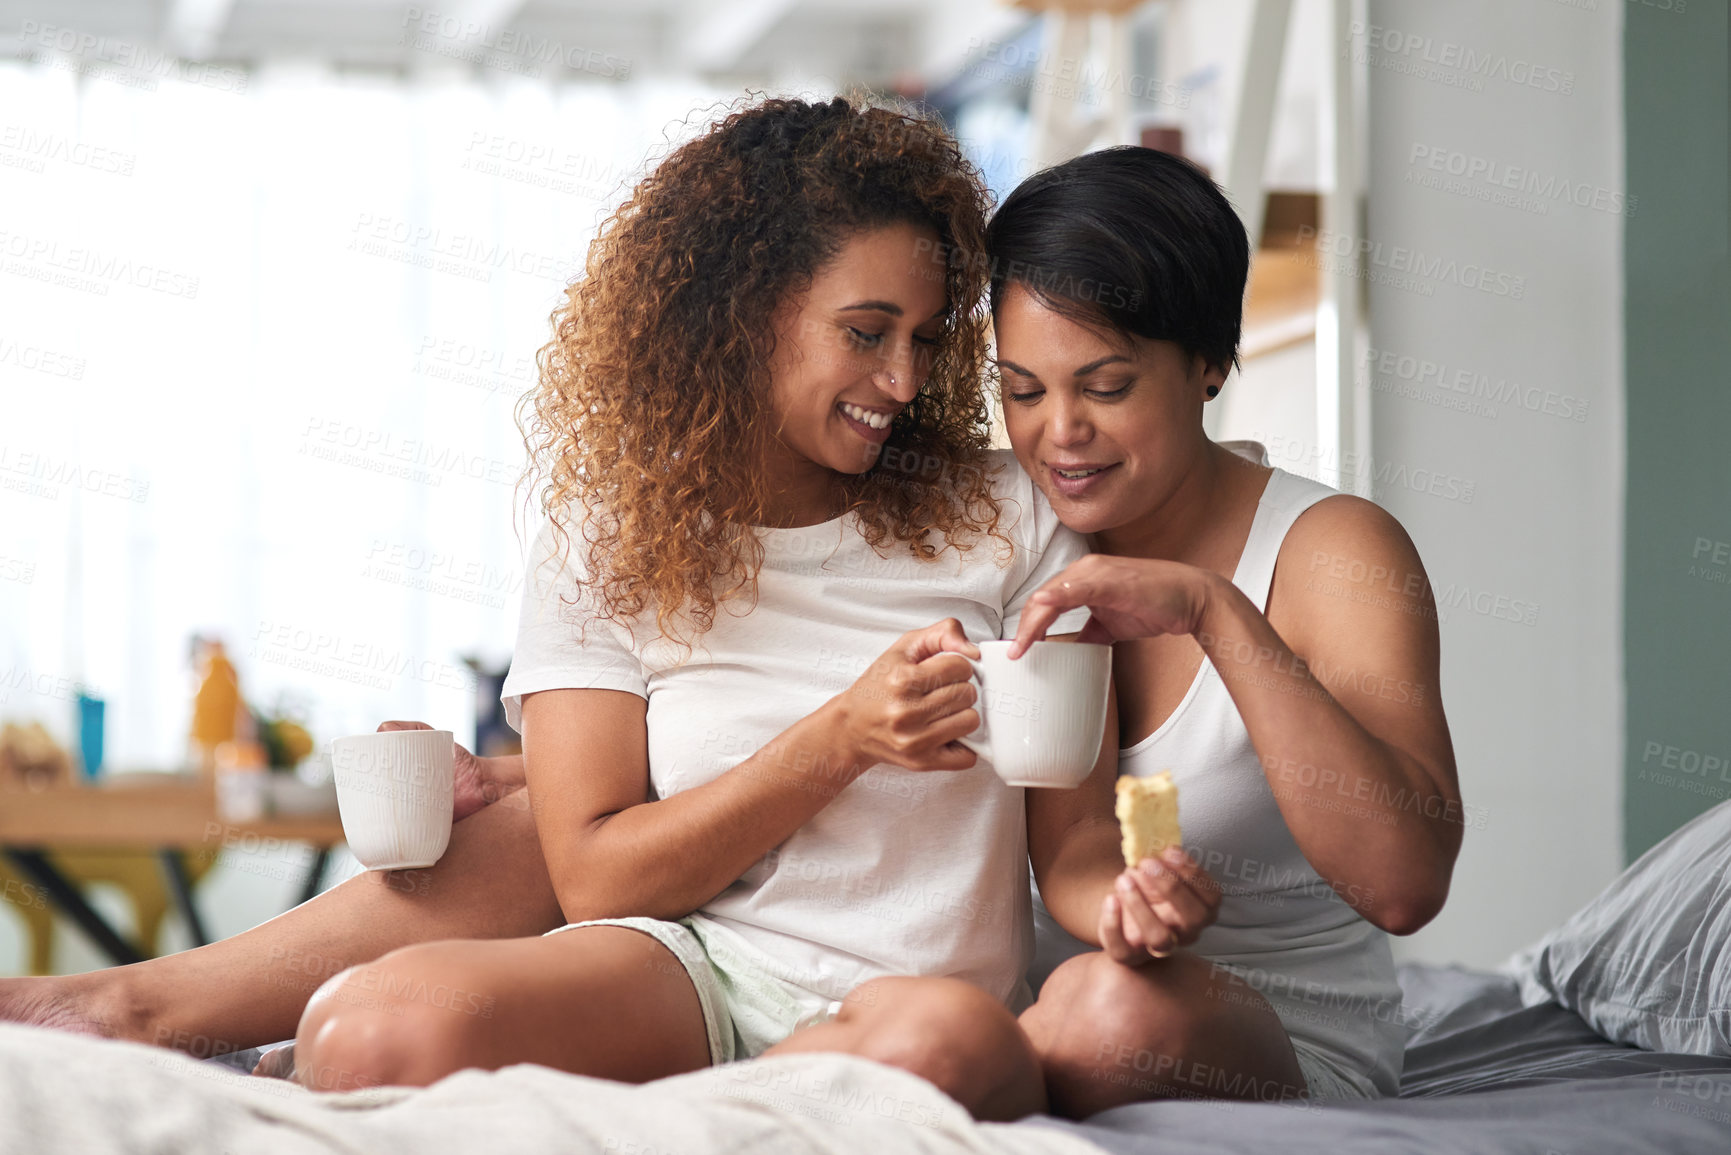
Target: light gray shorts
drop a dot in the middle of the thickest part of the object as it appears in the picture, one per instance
(1329, 1081)
(746, 1007)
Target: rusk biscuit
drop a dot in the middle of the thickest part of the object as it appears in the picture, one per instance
(1147, 811)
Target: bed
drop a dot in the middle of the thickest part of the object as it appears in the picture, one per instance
(1612, 1035)
(1485, 1075)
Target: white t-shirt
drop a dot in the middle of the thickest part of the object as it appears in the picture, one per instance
(903, 872)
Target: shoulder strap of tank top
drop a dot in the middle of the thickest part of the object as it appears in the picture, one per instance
(1286, 496)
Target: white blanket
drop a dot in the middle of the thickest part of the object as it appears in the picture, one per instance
(70, 1093)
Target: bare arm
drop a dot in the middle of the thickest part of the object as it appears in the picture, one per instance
(610, 853)
(1077, 854)
(1073, 841)
(1351, 734)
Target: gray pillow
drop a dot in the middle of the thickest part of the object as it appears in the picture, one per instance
(1648, 962)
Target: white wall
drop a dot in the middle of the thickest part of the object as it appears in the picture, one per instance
(1536, 710)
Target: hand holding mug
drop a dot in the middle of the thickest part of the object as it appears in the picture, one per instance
(394, 795)
(911, 706)
(1043, 715)
(471, 784)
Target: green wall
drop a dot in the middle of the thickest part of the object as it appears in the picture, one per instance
(1677, 320)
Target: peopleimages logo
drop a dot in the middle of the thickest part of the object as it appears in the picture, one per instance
(1074, 77)
(40, 360)
(88, 269)
(1471, 385)
(1429, 58)
(1407, 268)
(1380, 476)
(1492, 176)
(37, 147)
(147, 63)
(452, 34)
(41, 474)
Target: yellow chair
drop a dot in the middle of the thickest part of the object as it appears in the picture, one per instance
(137, 872)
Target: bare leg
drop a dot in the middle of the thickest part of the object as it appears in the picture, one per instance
(950, 1033)
(1109, 1034)
(251, 988)
(606, 1001)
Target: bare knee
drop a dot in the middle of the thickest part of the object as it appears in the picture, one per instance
(1095, 1012)
(952, 1034)
(369, 1026)
(1108, 1034)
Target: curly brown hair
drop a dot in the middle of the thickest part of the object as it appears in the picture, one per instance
(656, 377)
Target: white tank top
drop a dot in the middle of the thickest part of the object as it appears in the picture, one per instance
(1282, 931)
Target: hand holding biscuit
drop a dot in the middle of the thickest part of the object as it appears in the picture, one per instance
(1162, 901)
(1156, 907)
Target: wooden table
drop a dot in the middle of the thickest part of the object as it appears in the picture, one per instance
(171, 813)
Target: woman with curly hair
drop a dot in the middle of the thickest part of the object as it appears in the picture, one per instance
(772, 526)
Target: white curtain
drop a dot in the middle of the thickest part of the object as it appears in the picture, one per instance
(259, 355)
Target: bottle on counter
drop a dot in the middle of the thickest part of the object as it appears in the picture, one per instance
(219, 713)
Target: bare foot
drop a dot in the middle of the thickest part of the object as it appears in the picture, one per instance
(277, 1064)
(60, 1003)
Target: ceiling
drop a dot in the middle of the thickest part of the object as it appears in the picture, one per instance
(602, 40)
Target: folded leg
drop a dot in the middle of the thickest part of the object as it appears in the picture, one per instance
(948, 1032)
(1109, 1034)
(606, 1001)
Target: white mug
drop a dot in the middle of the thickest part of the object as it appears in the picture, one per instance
(1042, 716)
(394, 794)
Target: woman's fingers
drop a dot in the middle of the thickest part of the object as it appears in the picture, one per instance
(1084, 582)
(943, 746)
(910, 705)
(1112, 935)
(1191, 874)
(1096, 632)
(942, 637)
(951, 755)
(1143, 929)
(1044, 607)
(1171, 900)
(1127, 598)
(938, 671)
(948, 699)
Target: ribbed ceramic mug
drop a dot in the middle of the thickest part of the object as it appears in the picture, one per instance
(1042, 716)
(394, 795)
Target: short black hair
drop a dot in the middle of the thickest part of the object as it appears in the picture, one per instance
(1140, 240)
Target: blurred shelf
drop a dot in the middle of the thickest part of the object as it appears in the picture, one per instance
(1280, 307)
(158, 810)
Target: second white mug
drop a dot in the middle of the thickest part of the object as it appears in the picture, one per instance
(1042, 716)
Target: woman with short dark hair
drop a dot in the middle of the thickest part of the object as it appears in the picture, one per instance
(1276, 650)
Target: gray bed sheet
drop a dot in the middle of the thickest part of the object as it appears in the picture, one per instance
(1483, 1076)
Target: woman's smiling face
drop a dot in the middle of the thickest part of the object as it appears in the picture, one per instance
(854, 348)
(1106, 425)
